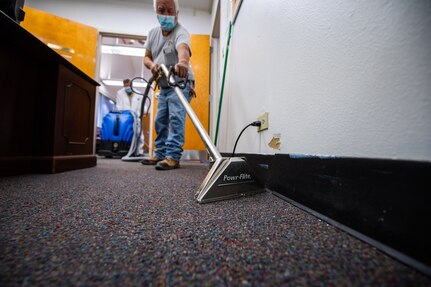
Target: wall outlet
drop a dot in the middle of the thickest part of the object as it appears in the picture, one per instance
(264, 122)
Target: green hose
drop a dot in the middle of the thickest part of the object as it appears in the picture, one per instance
(222, 83)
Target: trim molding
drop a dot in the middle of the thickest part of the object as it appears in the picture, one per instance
(10, 166)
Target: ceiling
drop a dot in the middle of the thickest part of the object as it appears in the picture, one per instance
(201, 5)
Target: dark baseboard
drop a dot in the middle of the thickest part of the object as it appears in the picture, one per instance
(383, 202)
(56, 164)
(10, 166)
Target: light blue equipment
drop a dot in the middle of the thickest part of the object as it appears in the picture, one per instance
(116, 133)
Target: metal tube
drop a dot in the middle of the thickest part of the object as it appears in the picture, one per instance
(195, 120)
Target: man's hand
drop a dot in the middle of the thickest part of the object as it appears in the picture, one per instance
(181, 70)
(155, 70)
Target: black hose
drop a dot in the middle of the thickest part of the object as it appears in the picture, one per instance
(146, 91)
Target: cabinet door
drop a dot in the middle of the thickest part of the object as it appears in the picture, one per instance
(74, 114)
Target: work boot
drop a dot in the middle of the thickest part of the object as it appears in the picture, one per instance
(151, 160)
(167, 163)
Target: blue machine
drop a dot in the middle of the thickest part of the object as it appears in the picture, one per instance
(116, 134)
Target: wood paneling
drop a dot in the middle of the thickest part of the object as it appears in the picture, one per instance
(75, 115)
(76, 42)
(47, 111)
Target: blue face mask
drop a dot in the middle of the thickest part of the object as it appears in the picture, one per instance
(167, 22)
(128, 90)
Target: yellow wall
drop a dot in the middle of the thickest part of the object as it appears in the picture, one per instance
(79, 41)
(200, 62)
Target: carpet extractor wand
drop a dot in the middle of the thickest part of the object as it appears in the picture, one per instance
(229, 177)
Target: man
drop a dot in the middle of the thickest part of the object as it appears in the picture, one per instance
(128, 100)
(169, 44)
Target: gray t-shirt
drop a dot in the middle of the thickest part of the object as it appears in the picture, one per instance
(157, 43)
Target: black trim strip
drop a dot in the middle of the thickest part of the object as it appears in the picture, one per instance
(384, 202)
(382, 247)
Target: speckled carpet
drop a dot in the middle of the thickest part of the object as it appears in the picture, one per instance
(125, 224)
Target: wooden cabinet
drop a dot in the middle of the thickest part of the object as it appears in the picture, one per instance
(47, 107)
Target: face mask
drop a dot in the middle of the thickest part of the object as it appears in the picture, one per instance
(128, 90)
(167, 22)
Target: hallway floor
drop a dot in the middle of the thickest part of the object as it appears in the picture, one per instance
(125, 224)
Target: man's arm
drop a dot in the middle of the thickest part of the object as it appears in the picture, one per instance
(148, 62)
(182, 68)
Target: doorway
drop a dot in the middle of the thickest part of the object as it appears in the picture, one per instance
(121, 57)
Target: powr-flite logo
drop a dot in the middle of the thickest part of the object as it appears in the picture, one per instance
(242, 176)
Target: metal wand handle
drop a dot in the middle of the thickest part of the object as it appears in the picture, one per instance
(215, 154)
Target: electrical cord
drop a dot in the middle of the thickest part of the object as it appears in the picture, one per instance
(254, 124)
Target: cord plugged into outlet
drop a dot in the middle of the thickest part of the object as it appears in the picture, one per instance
(264, 122)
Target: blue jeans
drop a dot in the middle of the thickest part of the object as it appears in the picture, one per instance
(170, 122)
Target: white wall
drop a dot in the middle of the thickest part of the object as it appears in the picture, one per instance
(119, 17)
(342, 78)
